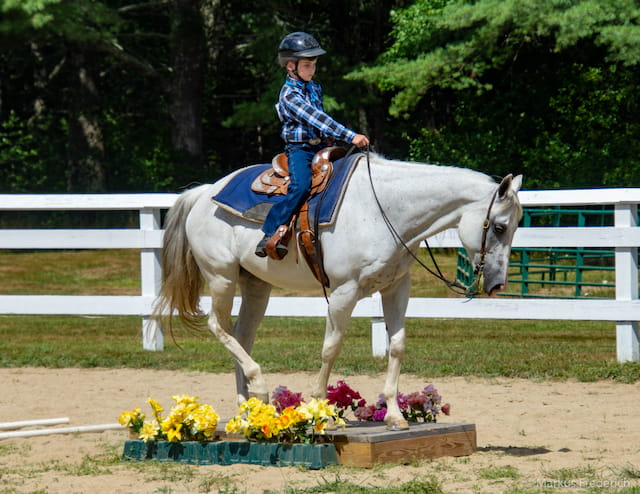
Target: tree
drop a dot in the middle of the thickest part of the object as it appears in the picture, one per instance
(124, 81)
(535, 86)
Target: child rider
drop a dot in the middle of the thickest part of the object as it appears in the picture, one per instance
(306, 129)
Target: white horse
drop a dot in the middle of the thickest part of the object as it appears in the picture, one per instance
(204, 242)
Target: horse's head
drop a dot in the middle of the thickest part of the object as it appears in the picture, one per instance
(486, 230)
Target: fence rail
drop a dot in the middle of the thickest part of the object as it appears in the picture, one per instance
(624, 237)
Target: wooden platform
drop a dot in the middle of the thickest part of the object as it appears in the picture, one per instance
(366, 443)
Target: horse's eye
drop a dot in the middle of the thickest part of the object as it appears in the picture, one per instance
(499, 228)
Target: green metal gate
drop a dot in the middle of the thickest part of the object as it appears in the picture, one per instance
(549, 272)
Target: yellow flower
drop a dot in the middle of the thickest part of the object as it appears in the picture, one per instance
(185, 399)
(320, 426)
(149, 431)
(249, 404)
(155, 406)
(125, 418)
(289, 418)
(235, 425)
(173, 432)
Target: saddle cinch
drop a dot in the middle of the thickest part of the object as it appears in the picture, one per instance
(275, 181)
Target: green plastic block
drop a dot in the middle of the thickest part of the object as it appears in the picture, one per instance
(312, 456)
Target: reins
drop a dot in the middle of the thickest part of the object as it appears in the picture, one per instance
(467, 291)
(458, 288)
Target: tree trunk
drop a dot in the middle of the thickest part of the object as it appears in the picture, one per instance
(186, 87)
(85, 163)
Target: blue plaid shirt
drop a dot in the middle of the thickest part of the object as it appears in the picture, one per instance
(303, 117)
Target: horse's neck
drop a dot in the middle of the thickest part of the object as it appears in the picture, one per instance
(426, 199)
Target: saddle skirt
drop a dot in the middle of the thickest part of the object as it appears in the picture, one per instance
(239, 198)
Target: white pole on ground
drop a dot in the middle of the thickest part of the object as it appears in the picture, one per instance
(33, 423)
(62, 430)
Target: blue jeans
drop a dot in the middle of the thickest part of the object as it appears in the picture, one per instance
(299, 157)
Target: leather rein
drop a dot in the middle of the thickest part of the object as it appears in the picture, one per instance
(467, 291)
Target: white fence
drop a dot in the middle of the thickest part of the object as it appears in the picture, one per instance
(624, 237)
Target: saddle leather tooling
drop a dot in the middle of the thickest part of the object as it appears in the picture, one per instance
(275, 181)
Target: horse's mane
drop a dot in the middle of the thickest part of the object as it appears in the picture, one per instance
(435, 169)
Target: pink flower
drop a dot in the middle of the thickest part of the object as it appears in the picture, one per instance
(342, 395)
(364, 413)
(416, 400)
(446, 409)
(283, 398)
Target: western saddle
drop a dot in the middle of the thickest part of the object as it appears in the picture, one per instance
(275, 181)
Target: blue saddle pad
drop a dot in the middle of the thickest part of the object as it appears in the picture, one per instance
(238, 198)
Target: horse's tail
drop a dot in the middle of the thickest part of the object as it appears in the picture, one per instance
(182, 280)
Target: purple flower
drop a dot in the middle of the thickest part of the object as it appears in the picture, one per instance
(379, 414)
(403, 401)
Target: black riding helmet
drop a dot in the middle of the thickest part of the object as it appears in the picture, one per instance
(295, 46)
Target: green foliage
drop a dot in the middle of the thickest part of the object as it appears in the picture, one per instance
(17, 153)
(454, 44)
(535, 87)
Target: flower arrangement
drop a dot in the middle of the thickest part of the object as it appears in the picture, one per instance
(287, 419)
(420, 406)
(188, 420)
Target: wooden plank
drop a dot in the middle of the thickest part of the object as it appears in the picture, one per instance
(578, 197)
(365, 444)
(126, 305)
(125, 238)
(444, 308)
(85, 202)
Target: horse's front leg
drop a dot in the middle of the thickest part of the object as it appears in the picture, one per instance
(341, 303)
(222, 293)
(394, 304)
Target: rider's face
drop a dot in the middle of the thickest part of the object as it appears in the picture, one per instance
(306, 68)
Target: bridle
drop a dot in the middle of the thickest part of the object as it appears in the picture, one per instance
(467, 291)
(479, 269)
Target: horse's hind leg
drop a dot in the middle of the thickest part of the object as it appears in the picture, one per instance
(222, 292)
(255, 297)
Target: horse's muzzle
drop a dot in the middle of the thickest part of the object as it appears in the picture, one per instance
(496, 289)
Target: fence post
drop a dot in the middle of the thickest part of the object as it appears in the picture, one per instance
(150, 280)
(628, 348)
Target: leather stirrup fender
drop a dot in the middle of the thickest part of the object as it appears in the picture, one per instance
(307, 241)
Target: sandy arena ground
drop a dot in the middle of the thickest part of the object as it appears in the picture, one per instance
(539, 436)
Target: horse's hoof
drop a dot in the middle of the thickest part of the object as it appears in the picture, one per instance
(263, 397)
(331, 425)
(398, 425)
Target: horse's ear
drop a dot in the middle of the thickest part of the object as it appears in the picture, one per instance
(509, 182)
(505, 185)
(517, 183)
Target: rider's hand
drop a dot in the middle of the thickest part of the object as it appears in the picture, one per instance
(360, 141)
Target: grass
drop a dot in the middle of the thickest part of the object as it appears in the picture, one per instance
(435, 347)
